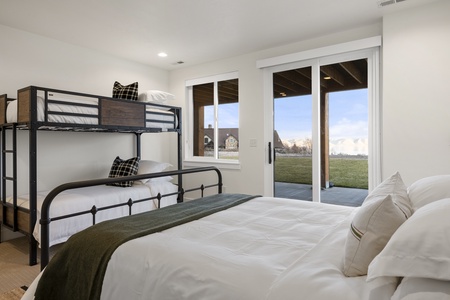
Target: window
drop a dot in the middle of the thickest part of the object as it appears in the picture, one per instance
(213, 118)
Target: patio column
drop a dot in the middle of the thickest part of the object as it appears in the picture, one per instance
(324, 141)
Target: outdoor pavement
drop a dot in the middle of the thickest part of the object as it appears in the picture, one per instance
(334, 195)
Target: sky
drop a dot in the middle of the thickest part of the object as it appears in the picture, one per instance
(228, 115)
(348, 112)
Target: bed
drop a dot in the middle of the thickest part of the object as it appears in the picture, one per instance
(272, 248)
(83, 199)
(40, 108)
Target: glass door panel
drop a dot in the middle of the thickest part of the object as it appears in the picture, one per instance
(344, 132)
(292, 143)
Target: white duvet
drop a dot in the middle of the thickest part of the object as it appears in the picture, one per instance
(267, 248)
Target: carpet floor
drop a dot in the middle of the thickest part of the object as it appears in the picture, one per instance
(14, 269)
(14, 294)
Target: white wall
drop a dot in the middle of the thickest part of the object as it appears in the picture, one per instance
(28, 59)
(416, 101)
(250, 177)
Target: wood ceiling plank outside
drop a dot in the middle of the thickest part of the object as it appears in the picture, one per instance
(296, 78)
(335, 75)
(353, 71)
(289, 86)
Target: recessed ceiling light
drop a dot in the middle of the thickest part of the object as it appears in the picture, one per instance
(327, 78)
(162, 54)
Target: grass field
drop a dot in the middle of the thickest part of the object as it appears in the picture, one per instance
(344, 172)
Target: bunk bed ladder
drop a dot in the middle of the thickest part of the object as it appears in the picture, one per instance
(12, 179)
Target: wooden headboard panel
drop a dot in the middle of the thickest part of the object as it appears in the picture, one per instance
(23, 105)
(3, 104)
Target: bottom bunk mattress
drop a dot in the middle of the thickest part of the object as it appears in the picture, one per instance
(82, 199)
(265, 248)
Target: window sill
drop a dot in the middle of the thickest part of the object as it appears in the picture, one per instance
(221, 164)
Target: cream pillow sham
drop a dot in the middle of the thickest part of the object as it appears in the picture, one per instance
(382, 212)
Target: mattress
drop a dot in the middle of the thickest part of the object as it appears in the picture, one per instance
(267, 248)
(156, 117)
(82, 199)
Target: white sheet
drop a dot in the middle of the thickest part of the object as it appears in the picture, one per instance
(82, 199)
(268, 248)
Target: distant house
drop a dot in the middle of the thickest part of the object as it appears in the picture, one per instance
(228, 138)
(277, 142)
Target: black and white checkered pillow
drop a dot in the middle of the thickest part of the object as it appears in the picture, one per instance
(121, 168)
(129, 92)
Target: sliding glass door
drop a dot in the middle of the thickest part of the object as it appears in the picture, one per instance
(323, 123)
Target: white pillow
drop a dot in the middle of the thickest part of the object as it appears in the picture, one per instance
(150, 166)
(420, 247)
(422, 288)
(429, 189)
(370, 230)
(155, 96)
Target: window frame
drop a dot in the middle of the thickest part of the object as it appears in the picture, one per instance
(194, 161)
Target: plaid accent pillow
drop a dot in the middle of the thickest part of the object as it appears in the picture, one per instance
(121, 168)
(129, 92)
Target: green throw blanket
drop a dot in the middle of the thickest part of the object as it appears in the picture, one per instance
(78, 268)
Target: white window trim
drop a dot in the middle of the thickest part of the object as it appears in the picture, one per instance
(366, 43)
(197, 161)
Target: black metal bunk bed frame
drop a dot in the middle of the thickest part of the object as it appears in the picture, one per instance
(28, 120)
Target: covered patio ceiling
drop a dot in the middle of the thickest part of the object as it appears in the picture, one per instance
(343, 76)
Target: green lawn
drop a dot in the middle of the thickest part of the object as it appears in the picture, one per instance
(344, 172)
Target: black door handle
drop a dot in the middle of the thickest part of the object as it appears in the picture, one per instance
(270, 153)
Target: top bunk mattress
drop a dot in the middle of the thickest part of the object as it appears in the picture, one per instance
(60, 108)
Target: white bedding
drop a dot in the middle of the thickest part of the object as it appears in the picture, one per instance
(267, 248)
(82, 199)
(11, 112)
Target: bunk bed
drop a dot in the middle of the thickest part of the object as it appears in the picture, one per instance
(237, 246)
(37, 109)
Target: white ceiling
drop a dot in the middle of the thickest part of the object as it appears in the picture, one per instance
(192, 31)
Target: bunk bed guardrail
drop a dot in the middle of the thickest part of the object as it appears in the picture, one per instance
(46, 220)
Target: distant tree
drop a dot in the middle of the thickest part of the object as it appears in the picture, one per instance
(308, 145)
